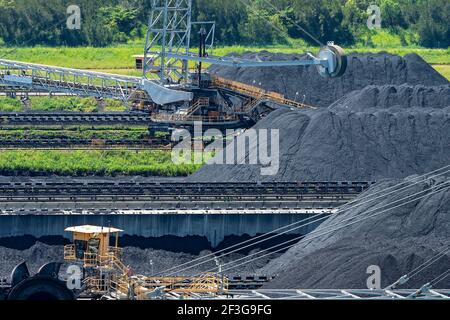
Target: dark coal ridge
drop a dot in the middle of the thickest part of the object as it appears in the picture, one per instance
(363, 70)
(397, 241)
(328, 145)
(393, 96)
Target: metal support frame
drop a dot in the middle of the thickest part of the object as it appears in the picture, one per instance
(243, 63)
(168, 45)
(66, 80)
(210, 27)
(169, 32)
(340, 294)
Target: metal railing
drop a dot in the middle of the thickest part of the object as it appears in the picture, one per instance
(69, 252)
(166, 117)
(257, 93)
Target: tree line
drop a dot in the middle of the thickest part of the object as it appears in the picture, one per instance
(244, 22)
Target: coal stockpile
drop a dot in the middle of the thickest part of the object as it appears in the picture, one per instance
(387, 117)
(397, 241)
(394, 97)
(305, 84)
(330, 145)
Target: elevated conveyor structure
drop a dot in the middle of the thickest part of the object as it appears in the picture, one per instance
(167, 55)
(65, 80)
(38, 77)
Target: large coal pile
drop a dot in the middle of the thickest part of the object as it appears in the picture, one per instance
(390, 96)
(397, 241)
(335, 145)
(363, 70)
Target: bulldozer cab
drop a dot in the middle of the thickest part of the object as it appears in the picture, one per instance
(91, 244)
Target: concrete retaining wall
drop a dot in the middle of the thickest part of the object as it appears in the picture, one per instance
(213, 227)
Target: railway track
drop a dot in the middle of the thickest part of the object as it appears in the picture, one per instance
(193, 189)
(65, 118)
(84, 144)
(175, 197)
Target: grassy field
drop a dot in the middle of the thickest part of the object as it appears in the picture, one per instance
(74, 104)
(443, 69)
(86, 163)
(121, 56)
(75, 132)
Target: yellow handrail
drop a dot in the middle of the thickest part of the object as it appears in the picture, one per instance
(256, 92)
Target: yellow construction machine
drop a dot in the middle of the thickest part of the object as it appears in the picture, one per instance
(106, 276)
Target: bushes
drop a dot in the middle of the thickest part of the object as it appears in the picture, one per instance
(247, 22)
(87, 163)
(73, 104)
(10, 105)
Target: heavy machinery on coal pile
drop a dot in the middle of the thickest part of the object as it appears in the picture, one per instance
(170, 89)
(96, 271)
(44, 285)
(105, 276)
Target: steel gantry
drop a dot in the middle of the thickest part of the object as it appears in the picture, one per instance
(167, 54)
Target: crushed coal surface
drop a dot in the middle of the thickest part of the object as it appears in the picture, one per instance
(397, 241)
(304, 84)
(141, 261)
(394, 97)
(334, 145)
(387, 117)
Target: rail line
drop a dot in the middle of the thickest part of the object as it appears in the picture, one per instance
(195, 189)
(176, 197)
(84, 144)
(65, 118)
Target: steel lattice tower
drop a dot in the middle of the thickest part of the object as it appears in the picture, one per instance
(169, 31)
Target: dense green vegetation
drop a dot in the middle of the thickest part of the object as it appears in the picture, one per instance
(75, 132)
(84, 163)
(255, 22)
(73, 104)
(10, 105)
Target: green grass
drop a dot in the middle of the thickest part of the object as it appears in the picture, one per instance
(88, 133)
(10, 105)
(87, 163)
(80, 57)
(444, 70)
(73, 104)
